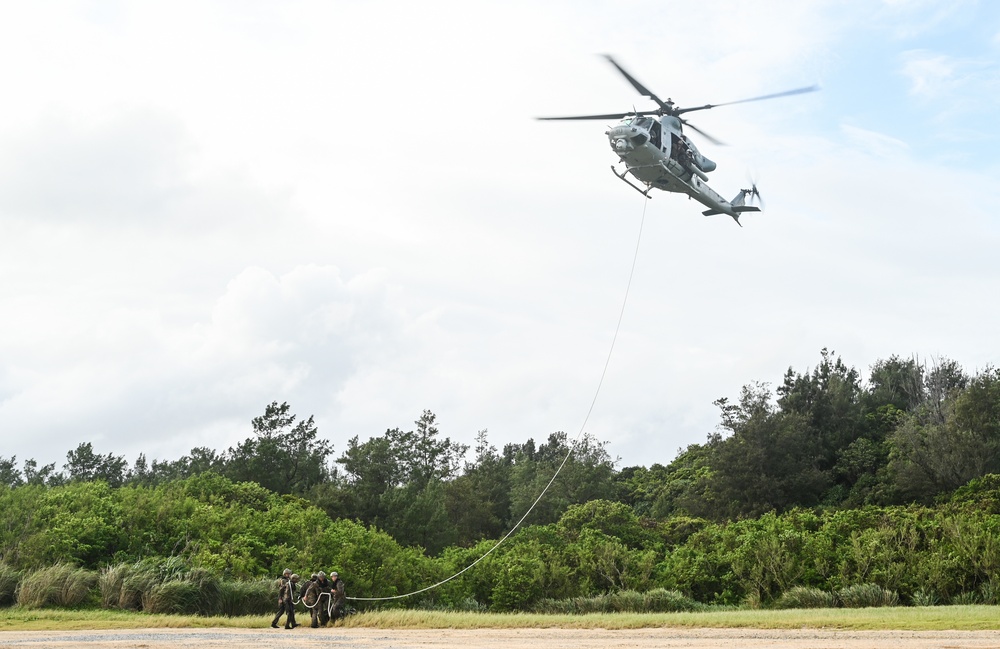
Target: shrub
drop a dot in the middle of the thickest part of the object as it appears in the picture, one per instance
(924, 598)
(661, 600)
(806, 597)
(58, 585)
(626, 601)
(569, 606)
(8, 584)
(966, 598)
(990, 593)
(866, 596)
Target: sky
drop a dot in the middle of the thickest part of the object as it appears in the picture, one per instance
(349, 206)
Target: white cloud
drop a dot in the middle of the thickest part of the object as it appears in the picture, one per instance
(875, 143)
(931, 75)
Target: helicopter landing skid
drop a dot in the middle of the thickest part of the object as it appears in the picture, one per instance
(625, 180)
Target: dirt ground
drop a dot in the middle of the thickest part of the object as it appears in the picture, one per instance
(503, 639)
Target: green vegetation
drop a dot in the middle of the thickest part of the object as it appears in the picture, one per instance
(828, 492)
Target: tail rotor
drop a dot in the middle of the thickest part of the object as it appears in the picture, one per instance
(752, 194)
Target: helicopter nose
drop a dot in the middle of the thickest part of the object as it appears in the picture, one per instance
(621, 145)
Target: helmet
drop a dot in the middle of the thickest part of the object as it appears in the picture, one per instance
(321, 574)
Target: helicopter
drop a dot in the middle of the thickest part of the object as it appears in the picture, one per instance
(655, 151)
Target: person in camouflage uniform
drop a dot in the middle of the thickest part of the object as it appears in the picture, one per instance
(290, 589)
(323, 592)
(338, 595)
(282, 588)
(310, 597)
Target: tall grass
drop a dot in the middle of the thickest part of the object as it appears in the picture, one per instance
(58, 585)
(170, 587)
(805, 597)
(924, 598)
(8, 584)
(246, 597)
(176, 596)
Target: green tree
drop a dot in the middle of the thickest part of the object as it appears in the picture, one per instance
(896, 382)
(664, 491)
(200, 459)
(829, 400)
(943, 446)
(285, 456)
(372, 469)
(478, 501)
(425, 456)
(587, 474)
(397, 481)
(761, 460)
(10, 475)
(83, 465)
(47, 475)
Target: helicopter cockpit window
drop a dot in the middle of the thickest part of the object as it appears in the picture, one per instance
(643, 122)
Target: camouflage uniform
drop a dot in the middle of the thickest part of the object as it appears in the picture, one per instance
(338, 595)
(323, 589)
(290, 589)
(282, 589)
(310, 597)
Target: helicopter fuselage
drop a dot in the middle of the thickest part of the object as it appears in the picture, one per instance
(657, 153)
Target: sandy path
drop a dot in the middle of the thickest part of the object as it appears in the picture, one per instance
(502, 639)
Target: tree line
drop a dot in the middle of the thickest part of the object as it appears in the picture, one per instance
(908, 433)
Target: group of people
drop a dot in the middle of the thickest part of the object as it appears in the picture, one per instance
(322, 595)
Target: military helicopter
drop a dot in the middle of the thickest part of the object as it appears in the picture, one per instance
(658, 154)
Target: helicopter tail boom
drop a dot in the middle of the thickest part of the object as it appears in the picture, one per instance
(737, 206)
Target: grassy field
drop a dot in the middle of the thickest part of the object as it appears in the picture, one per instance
(895, 618)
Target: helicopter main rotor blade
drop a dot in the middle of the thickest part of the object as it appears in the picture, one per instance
(797, 91)
(702, 133)
(608, 116)
(643, 90)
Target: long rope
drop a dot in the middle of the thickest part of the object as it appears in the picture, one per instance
(576, 440)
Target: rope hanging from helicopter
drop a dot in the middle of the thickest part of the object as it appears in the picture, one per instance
(572, 448)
